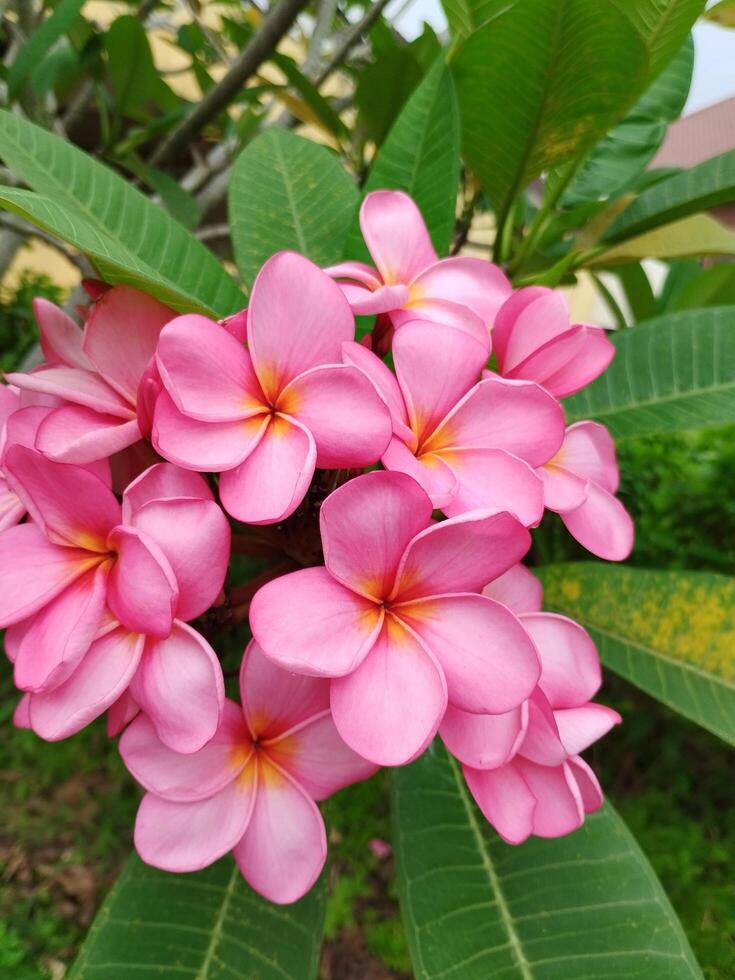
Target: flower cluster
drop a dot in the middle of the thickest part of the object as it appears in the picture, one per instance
(154, 458)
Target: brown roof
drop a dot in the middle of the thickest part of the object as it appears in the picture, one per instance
(698, 137)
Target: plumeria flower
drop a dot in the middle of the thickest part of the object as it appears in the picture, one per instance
(580, 483)
(533, 339)
(264, 417)
(523, 767)
(12, 508)
(396, 618)
(469, 443)
(95, 596)
(251, 790)
(410, 281)
(95, 372)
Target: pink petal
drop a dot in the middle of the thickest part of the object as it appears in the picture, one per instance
(22, 713)
(75, 434)
(297, 319)
(528, 319)
(505, 800)
(160, 481)
(601, 525)
(559, 809)
(12, 510)
(483, 741)
(517, 416)
(589, 452)
(587, 784)
(435, 368)
(33, 571)
(142, 591)
(149, 389)
(74, 507)
(236, 325)
(518, 589)
(275, 701)
(460, 555)
(364, 302)
(270, 484)
(476, 283)
(195, 776)
(444, 313)
(358, 271)
(580, 727)
(430, 471)
(570, 667)
(60, 634)
(308, 623)
(542, 743)
(179, 837)
(207, 446)
(488, 659)
(101, 677)
(20, 425)
(318, 759)
(493, 479)
(61, 338)
(180, 687)
(121, 334)
(563, 490)
(77, 386)
(9, 402)
(366, 525)
(206, 371)
(396, 236)
(120, 714)
(340, 407)
(389, 709)
(194, 535)
(567, 363)
(384, 381)
(285, 845)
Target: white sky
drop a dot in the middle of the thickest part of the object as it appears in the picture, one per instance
(714, 47)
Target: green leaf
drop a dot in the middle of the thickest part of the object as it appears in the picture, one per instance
(34, 49)
(421, 156)
(670, 374)
(697, 189)
(93, 208)
(711, 287)
(383, 89)
(663, 24)
(627, 150)
(581, 907)
(311, 96)
(179, 203)
(200, 926)
(288, 193)
(699, 234)
(465, 16)
(539, 84)
(637, 289)
(135, 79)
(669, 633)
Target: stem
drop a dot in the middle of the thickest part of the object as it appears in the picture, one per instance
(541, 218)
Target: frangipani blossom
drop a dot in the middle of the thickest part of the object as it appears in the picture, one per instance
(523, 767)
(533, 339)
(264, 417)
(96, 372)
(251, 790)
(469, 443)
(396, 618)
(410, 282)
(12, 508)
(94, 595)
(580, 483)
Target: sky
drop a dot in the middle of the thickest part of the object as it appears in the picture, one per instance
(714, 50)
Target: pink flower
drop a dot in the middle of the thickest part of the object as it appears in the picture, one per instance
(95, 596)
(533, 339)
(580, 484)
(410, 282)
(251, 790)
(523, 767)
(265, 417)
(96, 372)
(468, 444)
(11, 507)
(396, 617)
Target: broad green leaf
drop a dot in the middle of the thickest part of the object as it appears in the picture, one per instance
(670, 374)
(34, 49)
(322, 111)
(699, 234)
(581, 907)
(179, 203)
(663, 24)
(670, 633)
(539, 84)
(722, 13)
(204, 926)
(383, 89)
(81, 200)
(697, 189)
(421, 156)
(465, 16)
(135, 79)
(627, 150)
(711, 287)
(288, 193)
(637, 289)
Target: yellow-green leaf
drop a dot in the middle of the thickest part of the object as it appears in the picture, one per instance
(699, 234)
